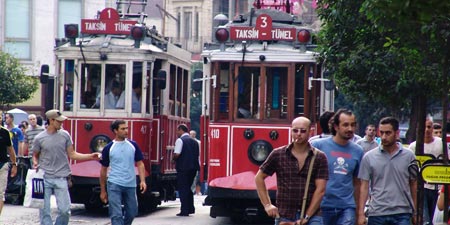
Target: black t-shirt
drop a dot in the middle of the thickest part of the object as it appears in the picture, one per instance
(5, 142)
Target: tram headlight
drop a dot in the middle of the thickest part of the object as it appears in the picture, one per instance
(99, 142)
(258, 151)
(222, 35)
(303, 36)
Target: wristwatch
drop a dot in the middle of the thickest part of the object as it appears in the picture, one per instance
(306, 217)
(14, 164)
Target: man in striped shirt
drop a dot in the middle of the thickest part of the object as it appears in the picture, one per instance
(33, 130)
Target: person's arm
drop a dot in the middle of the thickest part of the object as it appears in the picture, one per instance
(36, 155)
(356, 189)
(79, 156)
(363, 195)
(103, 193)
(141, 171)
(12, 157)
(177, 150)
(413, 188)
(440, 202)
(21, 151)
(317, 197)
(263, 194)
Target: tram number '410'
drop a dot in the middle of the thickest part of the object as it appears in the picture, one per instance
(215, 133)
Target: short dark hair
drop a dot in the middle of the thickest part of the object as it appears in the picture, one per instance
(183, 127)
(39, 120)
(116, 123)
(324, 121)
(437, 126)
(10, 115)
(390, 120)
(335, 119)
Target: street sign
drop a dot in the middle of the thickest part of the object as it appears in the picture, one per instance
(108, 23)
(263, 30)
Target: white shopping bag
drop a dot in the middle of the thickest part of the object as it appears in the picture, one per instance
(34, 193)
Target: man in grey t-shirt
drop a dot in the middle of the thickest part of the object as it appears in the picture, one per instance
(393, 187)
(51, 150)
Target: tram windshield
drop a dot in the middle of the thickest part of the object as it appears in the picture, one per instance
(99, 86)
(270, 92)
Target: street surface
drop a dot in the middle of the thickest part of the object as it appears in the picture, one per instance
(164, 215)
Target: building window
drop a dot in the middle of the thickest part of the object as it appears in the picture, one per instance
(187, 25)
(69, 11)
(18, 28)
(196, 27)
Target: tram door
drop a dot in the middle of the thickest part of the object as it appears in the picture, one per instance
(261, 92)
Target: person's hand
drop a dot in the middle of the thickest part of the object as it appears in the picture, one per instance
(361, 220)
(414, 221)
(104, 197)
(13, 171)
(271, 210)
(96, 156)
(143, 187)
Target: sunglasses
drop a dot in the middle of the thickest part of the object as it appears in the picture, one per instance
(302, 131)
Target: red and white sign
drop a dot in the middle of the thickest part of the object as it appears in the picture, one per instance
(262, 31)
(108, 23)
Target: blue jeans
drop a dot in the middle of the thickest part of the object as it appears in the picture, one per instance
(315, 220)
(58, 186)
(334, 216)
(118, 195)
(396, 219)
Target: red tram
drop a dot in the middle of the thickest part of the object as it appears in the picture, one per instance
(118, 59)
(259, 75)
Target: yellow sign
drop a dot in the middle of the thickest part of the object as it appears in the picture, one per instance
(436, 174)
(423, 158)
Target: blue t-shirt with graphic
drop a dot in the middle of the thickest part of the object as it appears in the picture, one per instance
(343, 166)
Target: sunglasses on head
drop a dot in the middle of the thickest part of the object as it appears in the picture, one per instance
(302, 131)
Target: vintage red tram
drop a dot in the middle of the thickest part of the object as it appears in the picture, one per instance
(259, 75)
(118, 69)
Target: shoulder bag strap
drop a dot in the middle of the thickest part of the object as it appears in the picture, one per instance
(308, 179)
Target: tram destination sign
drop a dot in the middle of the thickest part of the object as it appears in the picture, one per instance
(109, 22)
(263, 30)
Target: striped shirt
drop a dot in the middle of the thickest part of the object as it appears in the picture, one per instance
(30, 133)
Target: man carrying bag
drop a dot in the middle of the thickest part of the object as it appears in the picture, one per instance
(302, 173)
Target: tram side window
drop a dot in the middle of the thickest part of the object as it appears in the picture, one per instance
(224, 98)
(68, 85)
(299, 108)
(136, 94)
(248, 92)
(276, 94)
(115, 84)
(90, 85)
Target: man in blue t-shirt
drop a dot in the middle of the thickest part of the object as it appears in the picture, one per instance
(121, 155)
(344, 157)
(15, 134)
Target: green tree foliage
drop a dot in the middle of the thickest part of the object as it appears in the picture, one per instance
(15, 86)
(385, 53)
(196, 103)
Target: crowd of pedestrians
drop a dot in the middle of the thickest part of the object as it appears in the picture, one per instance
(367, 180)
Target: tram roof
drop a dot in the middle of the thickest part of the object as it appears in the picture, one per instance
(278, 52)
(120, 46)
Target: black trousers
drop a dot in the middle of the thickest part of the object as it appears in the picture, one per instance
(184, 183)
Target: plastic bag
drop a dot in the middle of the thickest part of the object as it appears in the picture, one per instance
(438, 216)
(34, 193)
